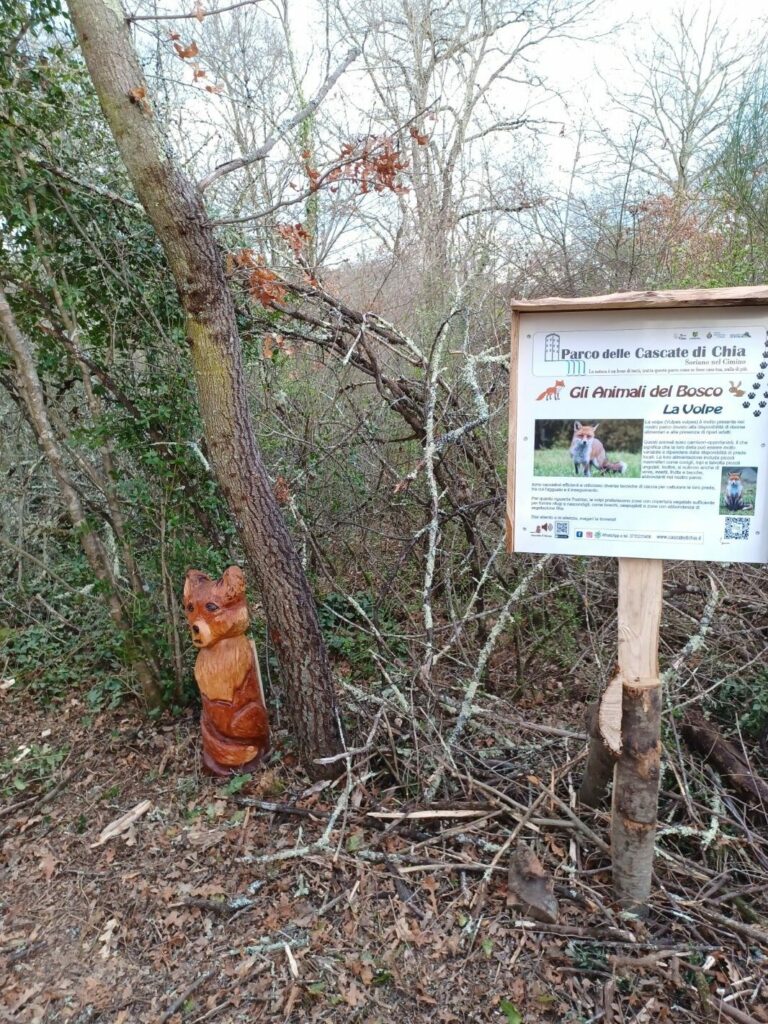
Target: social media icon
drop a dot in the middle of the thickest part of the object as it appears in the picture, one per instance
(579, 533)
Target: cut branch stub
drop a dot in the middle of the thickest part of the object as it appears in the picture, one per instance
(598, 771)
(609, 714)
(604, 728)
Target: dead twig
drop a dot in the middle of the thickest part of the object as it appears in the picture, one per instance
(181, 999)
(732, 1012)
(747, 930)
(504, 619)
(648, 959)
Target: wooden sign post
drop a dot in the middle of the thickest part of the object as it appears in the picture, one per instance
(638, 430)
(636, 776)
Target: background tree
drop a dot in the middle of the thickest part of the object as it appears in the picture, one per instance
(739, 185)
(175, 208)
(684, 98)
(30, 392)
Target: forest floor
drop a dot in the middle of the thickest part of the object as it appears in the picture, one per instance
(354, 918)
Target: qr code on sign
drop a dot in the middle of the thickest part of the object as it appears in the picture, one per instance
(736, 528)
(561, 530)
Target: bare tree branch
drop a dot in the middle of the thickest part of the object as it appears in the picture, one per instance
(199, 13)
(89, 186)
(307, 111)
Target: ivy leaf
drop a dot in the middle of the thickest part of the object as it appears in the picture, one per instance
(511, 1012)
(235, 784)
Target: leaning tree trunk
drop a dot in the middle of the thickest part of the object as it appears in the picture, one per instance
(175, 207)
(31, 391)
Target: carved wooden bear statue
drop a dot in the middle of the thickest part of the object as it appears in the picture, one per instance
(234, 722)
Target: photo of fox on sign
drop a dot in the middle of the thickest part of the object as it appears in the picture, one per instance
(639, 426)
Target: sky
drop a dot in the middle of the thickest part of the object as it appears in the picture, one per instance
(581, 73)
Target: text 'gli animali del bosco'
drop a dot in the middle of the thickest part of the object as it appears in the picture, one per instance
(656, 391)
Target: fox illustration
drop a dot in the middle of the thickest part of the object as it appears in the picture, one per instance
(553, 392)
(587, 451)
(736, 389)
(734, 492)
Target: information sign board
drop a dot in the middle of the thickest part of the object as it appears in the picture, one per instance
(640, 432)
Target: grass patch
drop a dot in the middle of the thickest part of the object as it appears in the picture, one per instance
(558, 462)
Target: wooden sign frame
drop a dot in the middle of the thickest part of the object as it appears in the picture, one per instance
(630, 712)
(687, 299)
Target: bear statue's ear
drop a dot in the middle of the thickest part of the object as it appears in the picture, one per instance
(233, 583)
(192, 580)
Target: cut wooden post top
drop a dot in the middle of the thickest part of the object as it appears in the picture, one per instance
(639, 617)
(752, 296)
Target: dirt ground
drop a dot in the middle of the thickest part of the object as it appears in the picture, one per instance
(371, 919)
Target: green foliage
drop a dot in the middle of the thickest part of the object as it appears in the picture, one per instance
(107, 693)
(588, 956)
(34, 765)
(747, 695)
(17, 14)
(235, 784)
(112, 279)
(557, 462)
(53, 659)
(348, 636)
(510, 1011)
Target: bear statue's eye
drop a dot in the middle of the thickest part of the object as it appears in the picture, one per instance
(190, 607)
(211, 607)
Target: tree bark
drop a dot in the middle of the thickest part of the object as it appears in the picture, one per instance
(32, 393)
(175, 208)
(636, 779)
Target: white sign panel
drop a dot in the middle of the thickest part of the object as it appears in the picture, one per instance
(642, 433)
